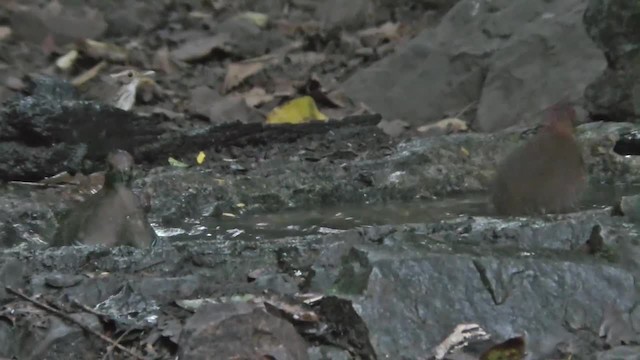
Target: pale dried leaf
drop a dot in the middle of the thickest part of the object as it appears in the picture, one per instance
(256, 97)
(238, 72)
(394, 127)
(259, 19)
(162, 60)
(89, 74)
(445, 126)
(104, 51)
(66, 61)
(386, 32)
(5, 32)
(197, 49)
(308, 58)
(339, 98)
(616, 328)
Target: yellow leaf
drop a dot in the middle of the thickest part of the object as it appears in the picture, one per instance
(464, 151)
(296, 111)
(220, 181)
(259, 19)
(240, 205)
(177, 163)
(200, 158)
(66, 61)
(229, 215)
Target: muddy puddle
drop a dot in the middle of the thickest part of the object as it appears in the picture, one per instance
(339, 218)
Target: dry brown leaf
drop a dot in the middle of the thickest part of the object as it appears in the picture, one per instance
(89, 74)
(14, 83)
(445, 126)
(5, 32)
(284, 88)
(104, 51)
(375, 36)
(238, 72)
(394, 127)
(162, 60)
(256, 97)
(339, 98)
(308, 58)
(197, 49)
(615, 327)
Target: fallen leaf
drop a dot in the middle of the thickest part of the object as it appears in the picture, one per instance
(296, 111)
(162, 61)
(375, 36)
(5, 32)
(308, 58)
(394, 127)
(339, 98)
(200, 158)
(257, 96)
(89, 74)
(238, 72)
(259, 19)
(14, 83)
(48, 45)
(229, 215)
(177, 163)
(615, 327)
(103, 51)
(445, 126)
(198, 49)
(66, 61)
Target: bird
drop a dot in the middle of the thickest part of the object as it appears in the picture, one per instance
(111, 217)
(545, 175)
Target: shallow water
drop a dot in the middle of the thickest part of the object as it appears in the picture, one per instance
(339, 218)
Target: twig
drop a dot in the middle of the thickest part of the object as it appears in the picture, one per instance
(89, 74)
(71, 319)
(35, 184)
(110, 348)
(464, 109)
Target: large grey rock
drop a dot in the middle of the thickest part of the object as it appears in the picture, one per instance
(413, 286)
(514, 58)
(614, 26)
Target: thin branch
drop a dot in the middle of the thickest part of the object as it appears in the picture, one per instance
(71, 319)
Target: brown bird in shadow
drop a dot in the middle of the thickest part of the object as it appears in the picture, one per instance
(546, 174)
(113, 216)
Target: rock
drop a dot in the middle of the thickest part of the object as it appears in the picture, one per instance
(222, 109)
(239, 330)
(613, 25)
(351, 15)
(65, 23)
(513, 58)
(249, 40)
(52, 131)
(620, 353)
(546, 174)
(113, 216)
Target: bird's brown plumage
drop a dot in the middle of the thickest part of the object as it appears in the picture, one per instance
(546, 174)
(111, 217)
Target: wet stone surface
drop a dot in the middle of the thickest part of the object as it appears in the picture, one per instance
(362, 237)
